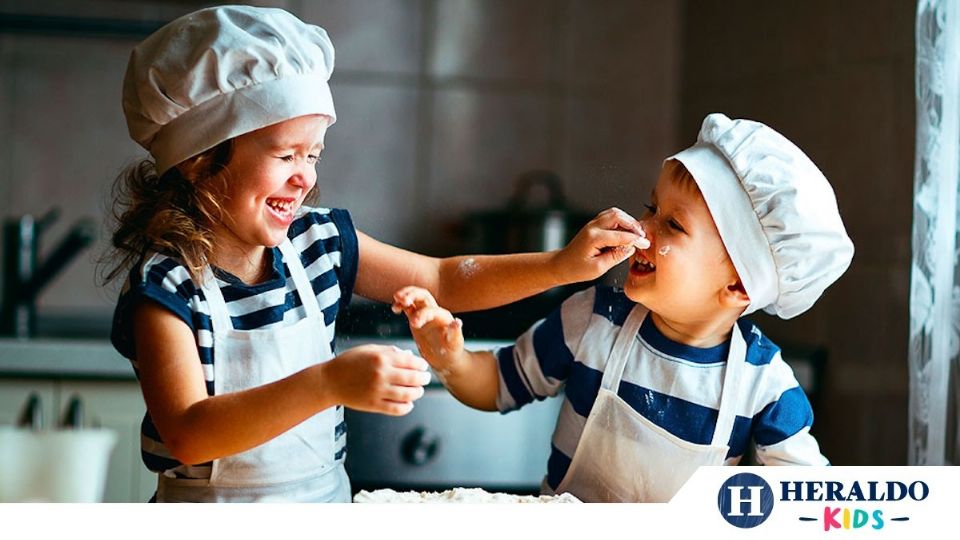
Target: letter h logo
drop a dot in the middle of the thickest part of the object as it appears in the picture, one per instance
(745, 492)
(737, 501)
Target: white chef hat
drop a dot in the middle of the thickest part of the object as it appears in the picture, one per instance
(221, 72)
(776, 213)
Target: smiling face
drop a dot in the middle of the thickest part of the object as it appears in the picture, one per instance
(685, 275)
(271, 171)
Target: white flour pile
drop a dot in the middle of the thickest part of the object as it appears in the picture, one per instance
(456, 495)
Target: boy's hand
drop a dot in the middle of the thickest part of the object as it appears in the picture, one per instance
(609, 239)
(437, 332)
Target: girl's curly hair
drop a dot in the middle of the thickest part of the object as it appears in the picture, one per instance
(172, 214)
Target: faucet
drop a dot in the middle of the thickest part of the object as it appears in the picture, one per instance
(23, 278)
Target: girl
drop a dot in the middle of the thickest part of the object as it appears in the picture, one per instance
(230, 304)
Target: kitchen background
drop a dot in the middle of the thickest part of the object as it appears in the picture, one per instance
(443, 103)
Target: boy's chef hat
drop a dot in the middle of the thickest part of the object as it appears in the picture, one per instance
(776, 213)
(221, 72)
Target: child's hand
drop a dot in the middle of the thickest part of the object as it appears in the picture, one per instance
(377, 378)
(600, 245)
(437, 332)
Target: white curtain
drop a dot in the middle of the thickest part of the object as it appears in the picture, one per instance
(935, 274)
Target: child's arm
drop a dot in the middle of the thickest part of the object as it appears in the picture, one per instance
(471, 377)
(781, 430)
(196, 427)
(476, 282)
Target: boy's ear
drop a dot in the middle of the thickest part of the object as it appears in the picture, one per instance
(734, 295)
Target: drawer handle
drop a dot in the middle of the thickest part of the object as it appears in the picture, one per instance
(73, 417)
(420, 446)
(32, 415)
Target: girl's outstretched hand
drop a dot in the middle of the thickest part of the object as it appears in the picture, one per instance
(378, 378)
(438, 334)
(604, 242)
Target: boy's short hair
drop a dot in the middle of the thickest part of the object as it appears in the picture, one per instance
(776, 213)
(678, 172)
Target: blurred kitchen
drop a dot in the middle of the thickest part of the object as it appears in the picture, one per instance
(548, 110)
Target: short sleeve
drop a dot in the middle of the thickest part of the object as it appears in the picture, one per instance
(539, 363)
(349, 253)
(162, 280)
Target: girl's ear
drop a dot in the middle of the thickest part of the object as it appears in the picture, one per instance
(734, 295)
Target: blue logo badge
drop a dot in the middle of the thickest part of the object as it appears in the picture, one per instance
(745, 500)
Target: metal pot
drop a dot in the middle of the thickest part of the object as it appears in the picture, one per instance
(526, 224)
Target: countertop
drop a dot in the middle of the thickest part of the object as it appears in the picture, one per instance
(97, 359)
(62, 358)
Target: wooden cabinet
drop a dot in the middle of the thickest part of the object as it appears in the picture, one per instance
(115, 405)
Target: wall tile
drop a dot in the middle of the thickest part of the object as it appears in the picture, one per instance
(612, 151)
(872, 173)
(389, 42)
(6, 123)
(111, 9)
(753, 39)
(874, 30)
(620, 45)
(868, 327)
(864, 431)
(480, 142)
(620, 111)
(512, 40)
(68, 143)
(369, 161)
(866, 121)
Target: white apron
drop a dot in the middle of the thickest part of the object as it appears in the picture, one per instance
(298, 465)
(624, 457)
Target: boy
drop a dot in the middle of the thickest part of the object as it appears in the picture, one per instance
(665, 376)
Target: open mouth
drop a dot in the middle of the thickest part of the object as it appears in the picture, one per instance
(641, 266)
(282, 208)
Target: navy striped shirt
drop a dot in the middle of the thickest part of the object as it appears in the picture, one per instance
(675, 386)
(327, 243)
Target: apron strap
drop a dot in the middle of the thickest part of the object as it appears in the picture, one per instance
(733, 372)
(613, 371)
(730, 391)
(218, 307)
(300, 279)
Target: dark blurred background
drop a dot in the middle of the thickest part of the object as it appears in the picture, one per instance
(444, 104)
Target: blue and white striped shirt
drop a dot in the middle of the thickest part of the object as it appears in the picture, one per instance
(327, 243)
(675, 386)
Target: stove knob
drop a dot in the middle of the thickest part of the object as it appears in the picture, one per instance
(419, 446)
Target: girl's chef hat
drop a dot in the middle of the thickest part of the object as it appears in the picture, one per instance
(221, 72)
(776, 213)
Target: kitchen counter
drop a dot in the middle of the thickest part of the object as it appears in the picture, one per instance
(62, 358)
(97, 359)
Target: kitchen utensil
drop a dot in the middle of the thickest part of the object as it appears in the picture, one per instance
(526, 223)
